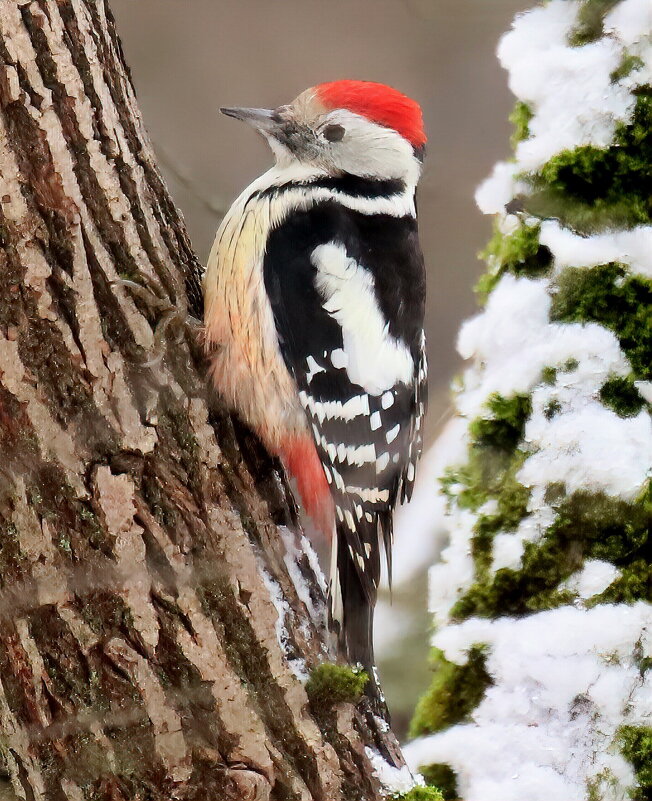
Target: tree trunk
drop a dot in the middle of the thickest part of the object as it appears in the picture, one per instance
(543, 599)
(159, 611)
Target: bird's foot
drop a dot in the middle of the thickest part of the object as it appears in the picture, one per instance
(168, 316)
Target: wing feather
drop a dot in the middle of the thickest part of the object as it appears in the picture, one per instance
(347, 291)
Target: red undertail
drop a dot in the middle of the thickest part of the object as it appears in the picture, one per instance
(300, 458)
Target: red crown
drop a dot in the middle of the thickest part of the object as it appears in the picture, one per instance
(378, 103)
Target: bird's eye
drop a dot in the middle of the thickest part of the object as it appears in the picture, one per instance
(333, 133)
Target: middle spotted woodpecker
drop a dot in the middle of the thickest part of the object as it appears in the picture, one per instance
(314, 303)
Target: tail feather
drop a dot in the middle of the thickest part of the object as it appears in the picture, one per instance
(357, 611)
(352, 605)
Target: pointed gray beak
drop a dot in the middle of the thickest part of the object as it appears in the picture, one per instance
(262, 119)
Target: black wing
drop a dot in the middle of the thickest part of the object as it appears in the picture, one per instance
(369, 442)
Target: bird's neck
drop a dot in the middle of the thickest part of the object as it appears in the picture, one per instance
(296, 186)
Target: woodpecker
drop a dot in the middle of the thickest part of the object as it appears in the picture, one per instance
(314, 302)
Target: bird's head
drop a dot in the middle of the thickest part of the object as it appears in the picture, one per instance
(356, 127)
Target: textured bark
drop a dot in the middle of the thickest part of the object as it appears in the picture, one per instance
(146, 544)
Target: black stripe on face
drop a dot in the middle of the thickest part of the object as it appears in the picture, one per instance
(347, 184)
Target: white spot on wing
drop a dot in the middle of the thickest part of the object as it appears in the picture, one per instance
(355, 407)
(337, 478)
(351, 454)
(382, 461)
(376, 359)
(327, 410)
(313, 369)
(339, 358)
(375, 421)
(369, 494)
(391, 435)
(387, 400)
(318, 410)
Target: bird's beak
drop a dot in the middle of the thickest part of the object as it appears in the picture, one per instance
(262, 119)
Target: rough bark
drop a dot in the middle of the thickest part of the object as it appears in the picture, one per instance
(152, 639)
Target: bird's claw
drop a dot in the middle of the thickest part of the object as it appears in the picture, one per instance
(168, 316)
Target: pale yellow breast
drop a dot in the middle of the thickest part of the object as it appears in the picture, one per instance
(246, 363)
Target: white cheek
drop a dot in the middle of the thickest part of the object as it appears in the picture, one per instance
(375, 156)
(368, 149)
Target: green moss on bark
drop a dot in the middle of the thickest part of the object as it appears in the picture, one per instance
(633, 584)
(636, 746)
(520, 118)
(511, 507)
(504, 428)
(553, 408)
(331, 684)
(518, 253)
(620, 395)
(493, 447)
(588, 526)
(549, 376)
(14, 565)
(490, 473)
(629, 64)
(454, 693)
(590, 21)
(590, 188)
(420, 794)
(612, 297)
(444, 778)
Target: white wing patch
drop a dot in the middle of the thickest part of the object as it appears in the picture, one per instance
(369, 495)
(313, 369)
(329, 410)
(382, 461)
(350, 454)
(391, 435)
(339, 358)
(376, 360)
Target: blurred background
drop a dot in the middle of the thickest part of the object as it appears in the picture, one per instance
(188, 57)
